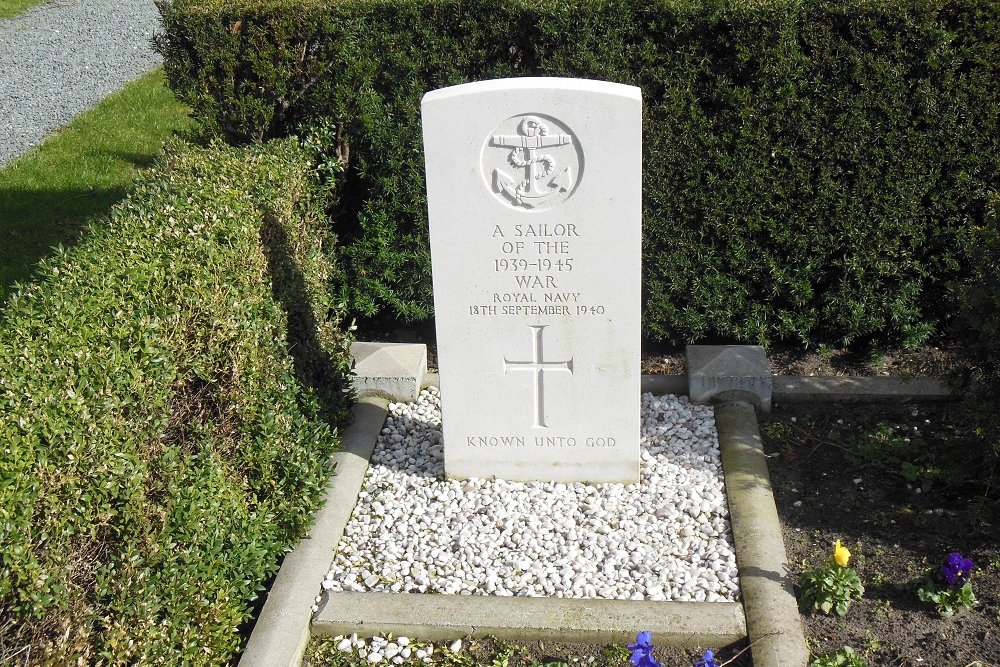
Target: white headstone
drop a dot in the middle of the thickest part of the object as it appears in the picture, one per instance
(534, 196)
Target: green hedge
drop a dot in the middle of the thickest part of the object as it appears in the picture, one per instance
(810, 166)
(978, 326)
(977, 332)
(160, 450)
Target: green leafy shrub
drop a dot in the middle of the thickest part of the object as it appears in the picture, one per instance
(845, 657)
(946, 600)
(977, 330)
(902, 455)
(949, 587)
(979, 322)
(810, 168)
(831, 587)
(160, 449)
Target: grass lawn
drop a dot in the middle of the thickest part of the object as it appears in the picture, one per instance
(11, 8)
(49, 195)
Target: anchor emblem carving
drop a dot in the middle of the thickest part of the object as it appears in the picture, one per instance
(544, 178)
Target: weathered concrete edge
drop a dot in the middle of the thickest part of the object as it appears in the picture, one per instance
(801, 389)
(282, 632)
(439, 617)
(772, 615)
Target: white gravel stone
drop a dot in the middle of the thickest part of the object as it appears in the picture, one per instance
(666, 538)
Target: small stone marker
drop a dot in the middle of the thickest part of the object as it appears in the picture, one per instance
(394, 371)
(729, 370)
(534, 197)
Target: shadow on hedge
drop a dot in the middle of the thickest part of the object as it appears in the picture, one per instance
(36, 220)
(315, 367)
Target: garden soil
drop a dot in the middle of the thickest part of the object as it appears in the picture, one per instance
(901, 487)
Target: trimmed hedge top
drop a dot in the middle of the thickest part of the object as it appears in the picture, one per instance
(160, 451)
(810, 167)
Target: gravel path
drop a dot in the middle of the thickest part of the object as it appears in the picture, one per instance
(64, 57)
(666, 538)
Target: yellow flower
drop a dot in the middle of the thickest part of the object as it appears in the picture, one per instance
(841, 555)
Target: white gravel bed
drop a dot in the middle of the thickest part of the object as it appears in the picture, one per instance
(666, 538)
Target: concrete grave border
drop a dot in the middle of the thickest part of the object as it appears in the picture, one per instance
(438, 617)
(768, 614)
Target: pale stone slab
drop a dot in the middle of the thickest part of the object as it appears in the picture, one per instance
(447, 617)
(714, 370)
(534, 196)
(394, 371)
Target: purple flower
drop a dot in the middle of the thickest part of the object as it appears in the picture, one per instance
(956, 569)
(707, 660)
(642, 650)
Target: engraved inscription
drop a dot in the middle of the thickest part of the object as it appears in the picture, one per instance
(561, 441)
(539, 274)
(531, 162)
(538, 366)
